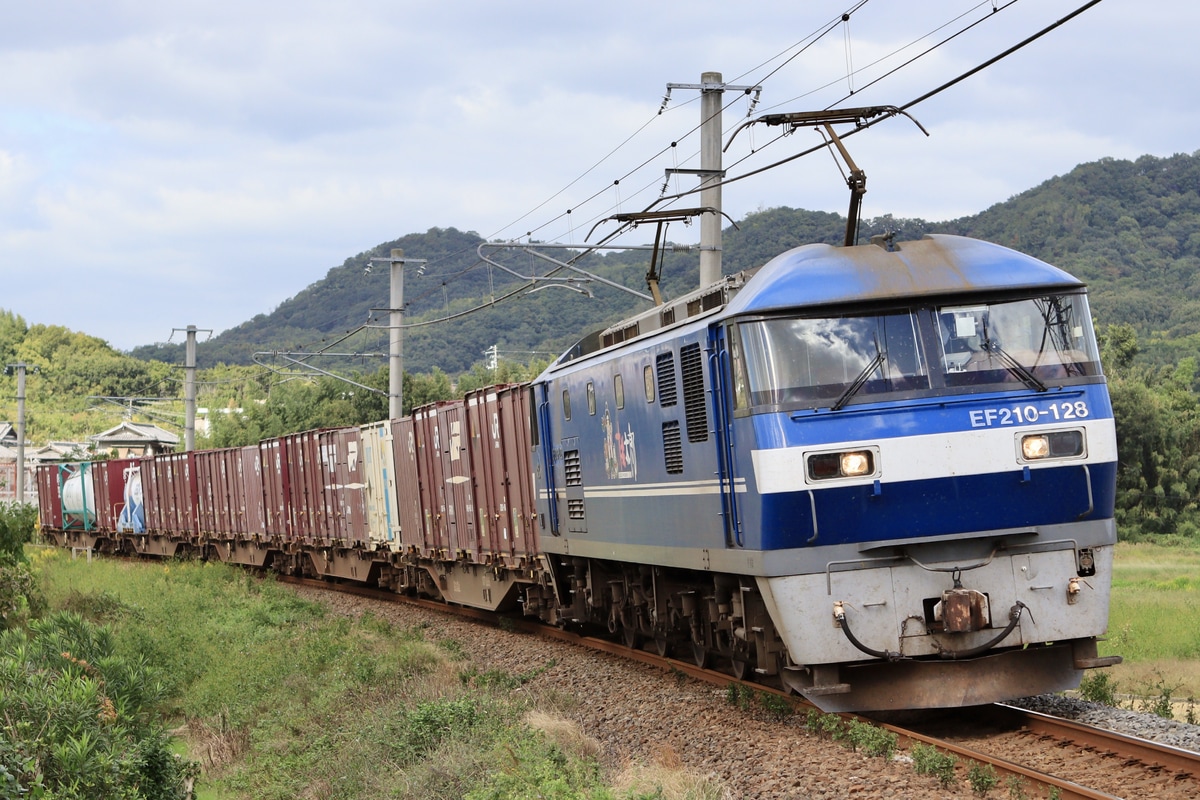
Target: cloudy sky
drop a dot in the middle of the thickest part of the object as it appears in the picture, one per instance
(176, 163)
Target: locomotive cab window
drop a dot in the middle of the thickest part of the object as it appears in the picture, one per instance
(826, 361)
(1029, 341)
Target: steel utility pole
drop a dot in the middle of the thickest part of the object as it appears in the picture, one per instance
(396, 330)
(711, 94)
(711, 173)
(189, 388)
(396, 336)
(20, 370)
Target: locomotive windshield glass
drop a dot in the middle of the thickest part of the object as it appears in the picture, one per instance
(825, 361)
(829, 362)
(1032, 342)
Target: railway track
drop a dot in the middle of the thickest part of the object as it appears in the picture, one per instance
(1075, 759)
(1032, 754)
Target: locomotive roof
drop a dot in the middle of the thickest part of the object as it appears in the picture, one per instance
(939, 264)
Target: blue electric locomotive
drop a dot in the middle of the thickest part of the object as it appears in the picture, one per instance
(883, 473)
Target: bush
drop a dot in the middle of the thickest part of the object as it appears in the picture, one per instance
(928, 760)
(1098, 687)
(17, 524)
(982, 777)
(78, 721)
(19, 598)
(872, 740)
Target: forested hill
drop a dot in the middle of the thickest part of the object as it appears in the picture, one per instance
(1130, 229)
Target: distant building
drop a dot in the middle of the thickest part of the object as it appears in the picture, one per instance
(8, 467)
(133, 439)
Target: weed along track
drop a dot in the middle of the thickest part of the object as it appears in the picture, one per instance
(640, 705)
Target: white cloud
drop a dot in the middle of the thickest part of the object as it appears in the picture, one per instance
(201, 162)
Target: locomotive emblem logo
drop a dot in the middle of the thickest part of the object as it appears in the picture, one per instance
(620, 455)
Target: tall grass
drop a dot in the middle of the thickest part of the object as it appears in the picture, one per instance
(280, 699)
(1154, 621)
(1155, 607)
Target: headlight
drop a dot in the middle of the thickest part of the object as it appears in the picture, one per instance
(1058, 444)
(1035, 447)
(857, 463)
(851, 464)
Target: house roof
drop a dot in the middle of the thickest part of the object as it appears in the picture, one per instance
(134, 434)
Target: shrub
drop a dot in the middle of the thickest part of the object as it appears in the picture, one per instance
(982, 777)
(1098, 687)
(17, 524)
(928, 760)
(77, 720)
(871, 739)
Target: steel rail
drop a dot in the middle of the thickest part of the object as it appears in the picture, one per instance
(1131, 747)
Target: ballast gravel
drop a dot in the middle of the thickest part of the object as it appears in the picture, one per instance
(639, 715)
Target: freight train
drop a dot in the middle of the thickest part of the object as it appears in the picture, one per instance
(880, 476)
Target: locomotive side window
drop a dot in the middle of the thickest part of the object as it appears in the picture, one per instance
(534, 431)
(827, 361)
(567, 404)
(1023, 341)
(619, 390)
(741, 384)
(591, 398)
(648, 382)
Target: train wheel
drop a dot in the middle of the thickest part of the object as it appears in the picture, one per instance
(660, 646)
(700, 655)
(742, 666)
(629, 636)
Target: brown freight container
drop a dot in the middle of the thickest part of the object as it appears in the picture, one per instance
(150, 493)
(515, 415)
(276, 488)
(501, 462)
(253, 509)
(218, 487)
(457, 485)
(431, 483)
(206, 491)
(350, 510)
(416, 512)
(180, 493)
(327, 489)
(487, 467)
(49, 497)
(232, 465)
(303, 467)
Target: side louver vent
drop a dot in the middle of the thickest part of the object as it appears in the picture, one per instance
(672, 448)
(691, 366)
(667, 393)
(571, 468)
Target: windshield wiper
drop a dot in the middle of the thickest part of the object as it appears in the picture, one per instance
(1015, 367)
(852, 389)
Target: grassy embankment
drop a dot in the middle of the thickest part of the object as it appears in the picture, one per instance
(279, 699)
(1154, 621)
